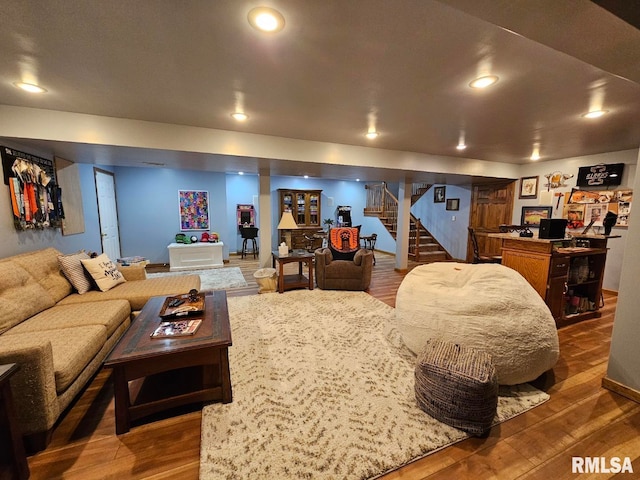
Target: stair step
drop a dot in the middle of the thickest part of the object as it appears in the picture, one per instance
(430, 257)
(430, 247)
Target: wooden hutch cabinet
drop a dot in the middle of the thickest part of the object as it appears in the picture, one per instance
(306, 210)
(569, 279)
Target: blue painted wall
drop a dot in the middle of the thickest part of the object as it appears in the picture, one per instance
(148, 208)
(451, 234)
(244, 190)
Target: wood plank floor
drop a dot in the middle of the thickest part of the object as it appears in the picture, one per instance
(581, 419)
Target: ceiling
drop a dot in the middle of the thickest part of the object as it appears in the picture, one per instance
(337, 66)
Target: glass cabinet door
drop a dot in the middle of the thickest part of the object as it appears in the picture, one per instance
(287, 202)
(314, 202)
(301, 209)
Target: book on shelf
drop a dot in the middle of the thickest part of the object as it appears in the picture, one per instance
(176, 328)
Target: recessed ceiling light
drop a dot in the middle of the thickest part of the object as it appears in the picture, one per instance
(306, 176)
(266, 19)
(595, 113)
(484, 82)
(30, 87)
(240, 116)
(372, 134)
(461, 146)
(357, 179)
(240, 173)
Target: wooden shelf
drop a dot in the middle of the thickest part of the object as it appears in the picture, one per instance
(305, 206)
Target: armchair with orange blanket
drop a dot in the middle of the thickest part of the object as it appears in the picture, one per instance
(343, 266)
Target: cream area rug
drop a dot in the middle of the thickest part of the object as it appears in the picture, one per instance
(323, 389)
(212, 278)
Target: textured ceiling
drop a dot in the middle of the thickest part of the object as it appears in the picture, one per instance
(336, 65)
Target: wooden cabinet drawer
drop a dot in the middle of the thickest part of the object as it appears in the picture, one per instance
(559, 266)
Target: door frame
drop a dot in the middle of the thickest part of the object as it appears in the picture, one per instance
(510, 185)
(97, 171)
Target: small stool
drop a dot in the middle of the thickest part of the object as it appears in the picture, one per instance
(249, 234)
(457, 385)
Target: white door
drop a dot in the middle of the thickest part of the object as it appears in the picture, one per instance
(108, 213)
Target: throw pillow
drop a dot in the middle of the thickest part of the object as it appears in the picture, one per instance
(103, 271)
(344, 242)
(72, 268)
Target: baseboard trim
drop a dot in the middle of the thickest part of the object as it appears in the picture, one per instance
(610, 292)
(621, 389)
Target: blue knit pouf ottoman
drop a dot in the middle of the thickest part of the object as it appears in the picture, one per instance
(457, 385)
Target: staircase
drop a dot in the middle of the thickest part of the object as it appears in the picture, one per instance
(381, 203)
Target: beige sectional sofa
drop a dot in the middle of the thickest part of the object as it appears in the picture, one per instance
(59, 338)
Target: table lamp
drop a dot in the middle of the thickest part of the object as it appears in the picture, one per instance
(287, 223)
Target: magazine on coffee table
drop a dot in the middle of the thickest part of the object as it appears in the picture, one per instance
(176, 328)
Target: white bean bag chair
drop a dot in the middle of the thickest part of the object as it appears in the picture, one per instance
(489, 307)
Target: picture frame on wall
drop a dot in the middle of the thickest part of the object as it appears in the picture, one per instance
(529, 187)
(531, 216)
(194, 209)
(438, 194)
(453, 204)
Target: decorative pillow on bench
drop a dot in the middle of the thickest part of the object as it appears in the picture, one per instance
(72, 268)
(103, 271)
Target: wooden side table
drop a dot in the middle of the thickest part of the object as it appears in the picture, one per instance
(13, 461)
(288, 282)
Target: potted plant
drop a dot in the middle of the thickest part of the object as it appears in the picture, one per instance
(327, 222)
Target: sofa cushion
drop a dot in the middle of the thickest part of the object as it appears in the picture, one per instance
(109, 314)
(343, 269)
(73, 348)
(139, 292)
(75, 272)
(103, 271)
(21, 296)
(43, 266)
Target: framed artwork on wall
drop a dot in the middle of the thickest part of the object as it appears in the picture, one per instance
(453, 204)
(438, 194)
(532, 215)
(194, 209)
(529, 187)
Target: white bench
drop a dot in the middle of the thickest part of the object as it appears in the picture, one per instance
(195, 255)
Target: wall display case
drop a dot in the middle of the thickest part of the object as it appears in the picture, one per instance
(305, 205)
(567, 276)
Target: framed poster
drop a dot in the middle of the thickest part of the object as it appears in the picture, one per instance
(529, 187)
(574, 213)
(532, 215)
(595, 213)
(194, 209)
(438, 194)
(453, 204)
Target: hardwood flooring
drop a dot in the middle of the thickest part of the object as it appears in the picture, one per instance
(580, 419)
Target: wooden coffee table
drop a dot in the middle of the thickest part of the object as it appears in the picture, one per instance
(151, 375)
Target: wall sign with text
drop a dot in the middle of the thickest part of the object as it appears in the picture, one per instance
(600, 175)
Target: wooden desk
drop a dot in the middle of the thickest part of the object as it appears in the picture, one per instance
(13, 461)
(288, 282)
(568, 279)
